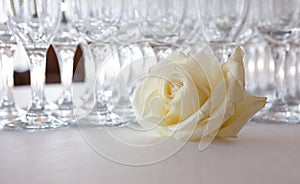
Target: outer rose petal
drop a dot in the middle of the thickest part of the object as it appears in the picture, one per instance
(207, 65)
(142, 94)
(242, 115)
(234, 75)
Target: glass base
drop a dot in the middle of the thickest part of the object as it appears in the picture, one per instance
(101, 119)
(35, 122)
(126, 113)
(87, 96)
(64, 112)
(66, 116)
(8, 114)
(277, 117)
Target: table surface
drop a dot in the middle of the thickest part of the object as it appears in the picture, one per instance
(262, 153)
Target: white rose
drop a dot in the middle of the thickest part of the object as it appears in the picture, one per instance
(190, 98)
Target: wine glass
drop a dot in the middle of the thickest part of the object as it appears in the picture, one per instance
(221, 22)
(34, 22)
(97, 21)
(128, 30)
(191, 28)
(278, 22)
(259, 64)
(257, 58)
(65, 43)
(127, 50)
(293, 75)
(248, 32)
(8, 109)
(160, 23)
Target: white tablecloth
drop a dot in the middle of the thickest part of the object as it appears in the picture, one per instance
(261, 154)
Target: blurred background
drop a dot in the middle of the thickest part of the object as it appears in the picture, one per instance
(112, 30)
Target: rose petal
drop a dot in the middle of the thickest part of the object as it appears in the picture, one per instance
(243, 112)
(224, 97)
(167, 68)
(209, 65)
(140, 96)
(234, 74)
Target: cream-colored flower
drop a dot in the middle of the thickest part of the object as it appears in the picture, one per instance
(190, 98)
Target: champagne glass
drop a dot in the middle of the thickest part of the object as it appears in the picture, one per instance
(278, 22)
(221, 22)
(128, 28)
(97, 21)
(191, 28)
(292, 76)
(34, 22)
(65, 43)
(160, 23)
(127, 50)
(8, 109)
(248, 32)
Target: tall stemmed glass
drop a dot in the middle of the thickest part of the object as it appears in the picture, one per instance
(257, 55)
(160, 23)
(221, 22)
(97, 21)
(34, 23)
(191, 28)
(8, 109)
(65, 43)
(277, 22)
(127, 50)
(293, 75)
(128, 28)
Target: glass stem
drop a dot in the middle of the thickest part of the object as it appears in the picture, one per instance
(37, 58)
(7, 81)
(222, 50)
(100, 104)
(279, 55)
(100, 53)
(161, 50)
(297, 79)
(290, 73)
(65, 58)
(88, 66)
